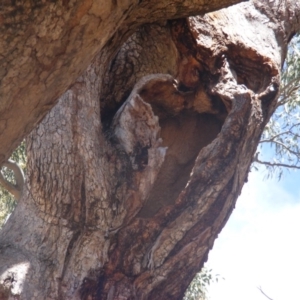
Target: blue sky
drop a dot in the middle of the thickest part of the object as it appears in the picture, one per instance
(260, 245)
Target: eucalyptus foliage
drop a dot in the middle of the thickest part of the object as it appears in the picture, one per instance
(7, 201)
(197, 289)
(280, 144)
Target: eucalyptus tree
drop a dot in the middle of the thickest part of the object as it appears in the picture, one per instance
(281, 137)
(135, 171)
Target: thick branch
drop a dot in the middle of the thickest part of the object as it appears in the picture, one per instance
(14, 189)
(166, 237)
(45, 46)
(286, 12)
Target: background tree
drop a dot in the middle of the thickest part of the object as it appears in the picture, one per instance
(124, 202)
(7, 200)
(282, 135)
(197, 289)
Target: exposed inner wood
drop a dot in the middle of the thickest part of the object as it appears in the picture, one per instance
(184, 136)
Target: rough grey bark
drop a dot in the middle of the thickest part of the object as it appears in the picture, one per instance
(125, 196)
(46, 45)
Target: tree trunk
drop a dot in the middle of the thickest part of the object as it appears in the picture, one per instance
(125, 196)
(46, 45)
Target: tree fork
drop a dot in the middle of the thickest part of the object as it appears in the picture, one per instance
(45, 46)
(85, 227)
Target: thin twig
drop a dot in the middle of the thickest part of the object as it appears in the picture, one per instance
(297, 154)
(267, 163)
(260, 289)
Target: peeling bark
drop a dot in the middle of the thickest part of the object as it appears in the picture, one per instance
(125, 196)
